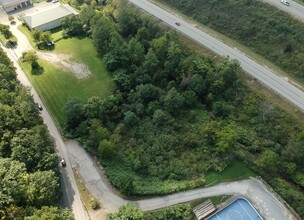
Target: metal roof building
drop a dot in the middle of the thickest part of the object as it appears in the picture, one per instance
(11, 5)
(49, 18)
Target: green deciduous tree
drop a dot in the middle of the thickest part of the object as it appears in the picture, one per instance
(4, 29)
(34, 148)
(74, 113)
(72, 25)
(12, 184)
(130, 119)
(42, 188)
(127, 212)
(36, 33)
(127, 20)
(51, 213)
(226, 138)
(147, 93)
(268, 162)
(32, 58)
(106, 149)
(102, 28)
(173, 101)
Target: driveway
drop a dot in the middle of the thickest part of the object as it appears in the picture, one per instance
(23, 43)
(96, 182)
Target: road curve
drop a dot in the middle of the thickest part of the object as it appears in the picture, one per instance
(253, 189)
(294, 8)
(71, 197)
(280, 85)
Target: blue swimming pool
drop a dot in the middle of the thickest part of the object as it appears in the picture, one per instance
(240, 209)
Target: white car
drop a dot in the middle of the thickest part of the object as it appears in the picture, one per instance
(55, 1)
(284, 2)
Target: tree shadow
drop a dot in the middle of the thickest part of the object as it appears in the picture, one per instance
(79, 37)
(44, 46)
(37, 70)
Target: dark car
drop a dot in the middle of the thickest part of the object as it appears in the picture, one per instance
(39, 107)
(177, 23)
(63, 163)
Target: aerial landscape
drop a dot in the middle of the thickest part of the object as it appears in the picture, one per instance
(151, 110)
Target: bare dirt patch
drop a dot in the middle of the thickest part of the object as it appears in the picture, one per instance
(79, 70)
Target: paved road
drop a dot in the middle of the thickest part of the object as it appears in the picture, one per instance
(280, 85)
(263, 200)
(71, 197)
(295, 9)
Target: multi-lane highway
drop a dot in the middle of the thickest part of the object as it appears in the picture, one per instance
(269, 78)
(294, 8)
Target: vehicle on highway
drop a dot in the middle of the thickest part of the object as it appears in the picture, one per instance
(177, 23)
(63, 163)
(39, 106)
(284, 2)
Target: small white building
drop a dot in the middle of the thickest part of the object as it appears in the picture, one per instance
(49, 18)
(11, 5)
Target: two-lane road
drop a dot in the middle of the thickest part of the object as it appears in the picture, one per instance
(294, 8)
(71, 196)
(269, 78)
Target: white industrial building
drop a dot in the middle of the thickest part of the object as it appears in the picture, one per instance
(11, 5)
(49, 18)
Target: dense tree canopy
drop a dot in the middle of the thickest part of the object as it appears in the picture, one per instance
(175, 115)
(28, 163)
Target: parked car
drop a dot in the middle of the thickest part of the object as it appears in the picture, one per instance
(177, 23)
(39, 107)
(55, 1)
(63, 163)
(285, 2)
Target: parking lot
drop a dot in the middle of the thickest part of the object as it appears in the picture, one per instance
(36, 7)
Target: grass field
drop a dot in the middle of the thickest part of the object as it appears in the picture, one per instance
(235, 171)
(56, 85)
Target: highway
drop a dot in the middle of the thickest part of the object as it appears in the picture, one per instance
(279, 84)
(294, 8)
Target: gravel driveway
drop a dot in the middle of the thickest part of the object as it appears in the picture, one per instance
(253, 189)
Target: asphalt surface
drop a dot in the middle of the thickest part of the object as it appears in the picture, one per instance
(96, 182)
(281, 85)
(71, 197)
(294, 8)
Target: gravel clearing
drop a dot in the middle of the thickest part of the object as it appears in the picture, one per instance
(79, 70)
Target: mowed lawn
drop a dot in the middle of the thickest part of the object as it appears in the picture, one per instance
(55, 85)
(235, 171)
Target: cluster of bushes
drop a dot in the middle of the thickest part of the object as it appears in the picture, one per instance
(131, 183)
(176, 212)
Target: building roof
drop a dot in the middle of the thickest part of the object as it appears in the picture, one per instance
(8, 3)
(39, 18)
